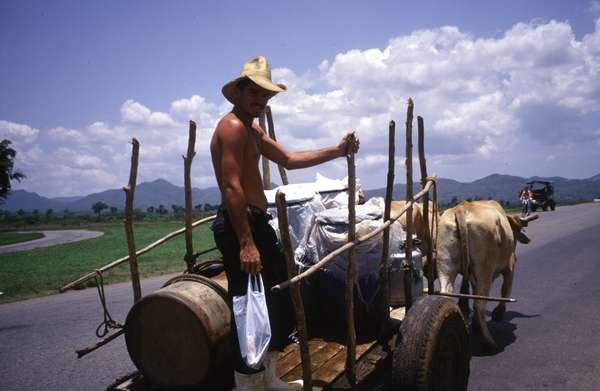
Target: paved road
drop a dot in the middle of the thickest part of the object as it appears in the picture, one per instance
(38, 339)
(549, 339)
(52, 238)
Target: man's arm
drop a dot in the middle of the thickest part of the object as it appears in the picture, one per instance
(232, 138)
(292, 160)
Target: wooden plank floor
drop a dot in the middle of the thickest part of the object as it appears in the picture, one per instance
(328, 360)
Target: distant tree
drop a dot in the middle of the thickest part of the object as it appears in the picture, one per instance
(138, 214)
(150, 209)
(34, 217)
(98, 207)
(162, 210)
(454, 201)
(7, 157)
(49, 214)
(178, 210)
(21, 213)
(113, 210)
(209, 207)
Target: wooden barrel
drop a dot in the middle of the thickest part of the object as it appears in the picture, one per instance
(179, 334)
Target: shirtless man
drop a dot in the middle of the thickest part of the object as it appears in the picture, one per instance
(241, 230)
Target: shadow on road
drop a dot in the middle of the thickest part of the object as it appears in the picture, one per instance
(15, 327)
(503, 333)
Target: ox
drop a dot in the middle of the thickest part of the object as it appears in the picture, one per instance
(478, 240)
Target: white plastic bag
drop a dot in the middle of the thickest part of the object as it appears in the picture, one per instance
(252, 322)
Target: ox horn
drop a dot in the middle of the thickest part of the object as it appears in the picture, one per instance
(529, 218)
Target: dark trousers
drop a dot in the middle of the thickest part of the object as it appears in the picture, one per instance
(274, 271)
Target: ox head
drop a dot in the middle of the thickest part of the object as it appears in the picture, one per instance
(517, 223)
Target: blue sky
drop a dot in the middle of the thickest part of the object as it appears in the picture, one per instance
(507, 87)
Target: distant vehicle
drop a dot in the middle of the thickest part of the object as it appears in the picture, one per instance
(543, 192)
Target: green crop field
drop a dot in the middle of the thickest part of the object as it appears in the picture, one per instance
(18, 237)
(42, 271)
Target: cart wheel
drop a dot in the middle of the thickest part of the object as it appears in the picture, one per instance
(432, 351)
(552, 206)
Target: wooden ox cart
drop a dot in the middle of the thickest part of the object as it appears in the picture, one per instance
(178, 336)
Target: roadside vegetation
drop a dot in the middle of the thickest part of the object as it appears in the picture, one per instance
(99, 213)
(42, 271)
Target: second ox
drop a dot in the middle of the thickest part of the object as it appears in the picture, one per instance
(478, 240)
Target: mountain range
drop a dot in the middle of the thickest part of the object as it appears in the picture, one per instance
(504, 188)
(160, 191)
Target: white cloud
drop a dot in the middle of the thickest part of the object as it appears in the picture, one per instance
(65, 135)
(18, 132)
(594, 6)
(134, 112)
(195, 108)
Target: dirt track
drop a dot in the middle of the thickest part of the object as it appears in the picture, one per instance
(52, 238)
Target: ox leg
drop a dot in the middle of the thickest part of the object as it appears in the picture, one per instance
(446, 270)
(483, 288)
(463, 303)
(507, 279)
(446, 284)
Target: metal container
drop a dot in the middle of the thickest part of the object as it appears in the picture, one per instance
(179, 334)
(396, 268)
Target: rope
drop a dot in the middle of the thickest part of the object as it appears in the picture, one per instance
(191, 259)
(108, 322)
(433, 228)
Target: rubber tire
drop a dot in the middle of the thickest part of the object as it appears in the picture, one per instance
(552, 206)
(534, 208)
(432, 351)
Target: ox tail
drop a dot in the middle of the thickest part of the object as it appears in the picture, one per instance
(463, 237)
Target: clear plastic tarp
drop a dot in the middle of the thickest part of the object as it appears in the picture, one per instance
(330, 231)
(304, 201)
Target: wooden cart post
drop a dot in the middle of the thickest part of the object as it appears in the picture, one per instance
(294, 290)
(383, 275)
(350, 275)
(266, 172)
(282, 173)
(428, 237)
(408, 275)
(187, 168)
(129, 192)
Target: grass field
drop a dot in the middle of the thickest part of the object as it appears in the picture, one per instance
(42, 271)
(18, 237)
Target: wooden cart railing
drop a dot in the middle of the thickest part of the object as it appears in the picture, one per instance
(353, 241)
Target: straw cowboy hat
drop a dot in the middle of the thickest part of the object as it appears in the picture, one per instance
(257, 70)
